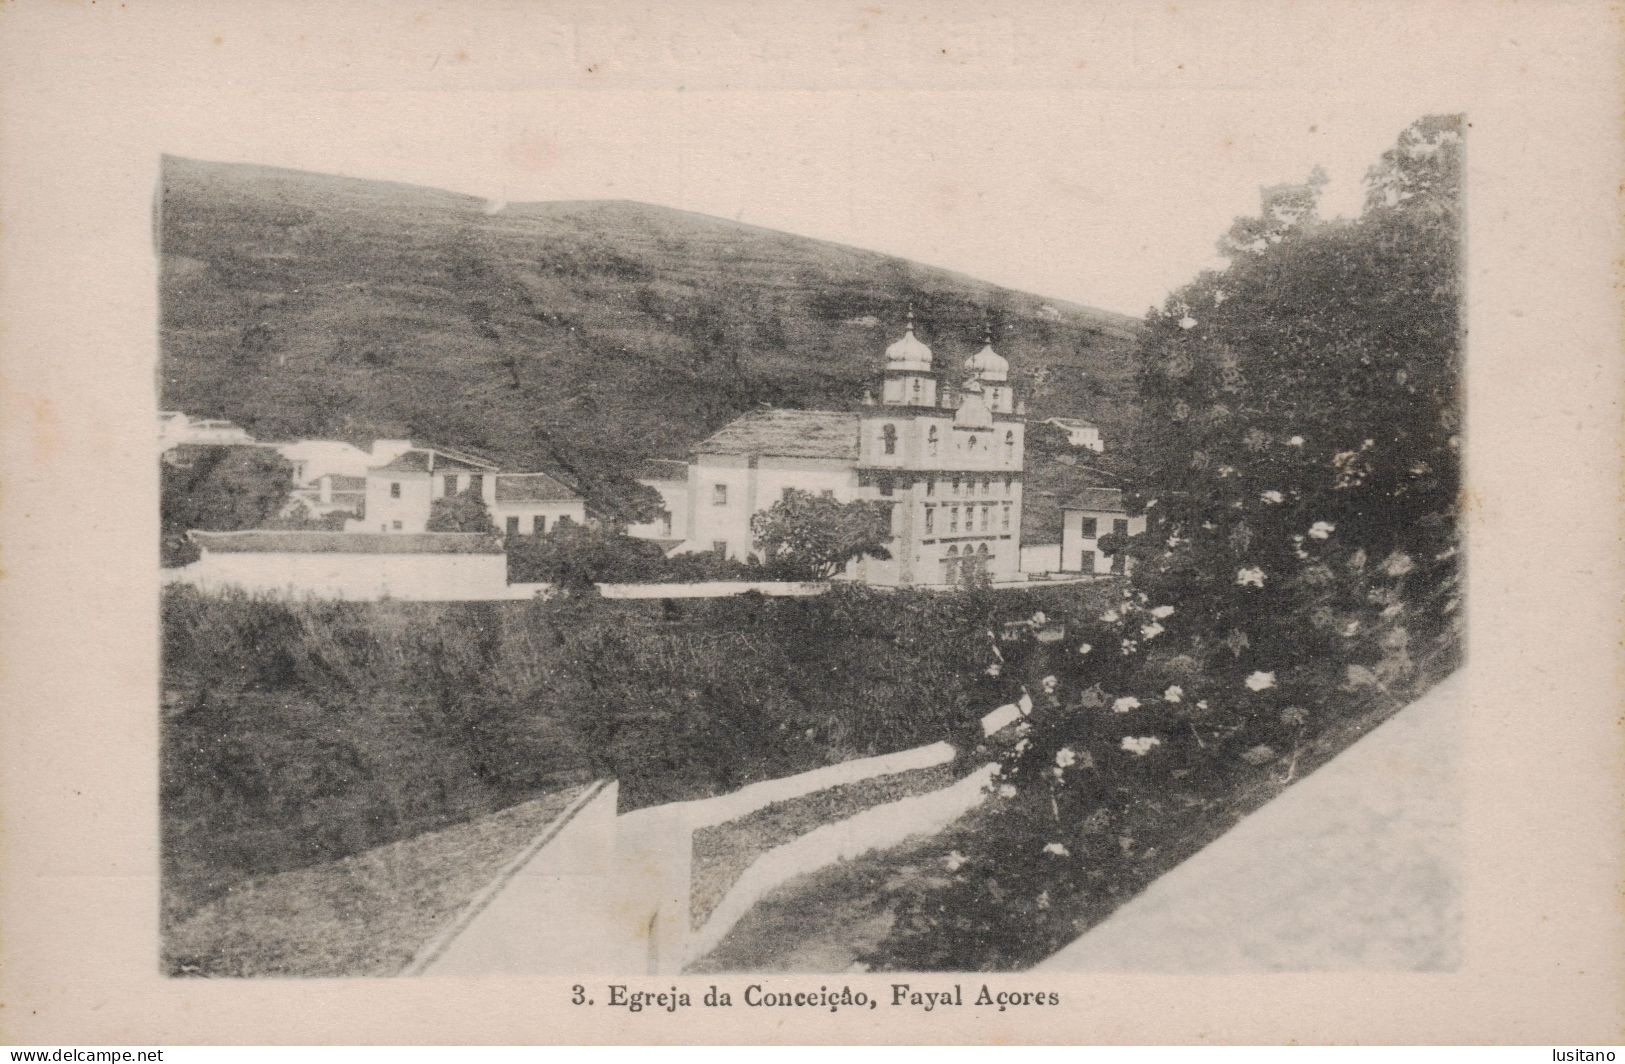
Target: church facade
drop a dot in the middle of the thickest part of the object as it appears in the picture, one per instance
(944, 451)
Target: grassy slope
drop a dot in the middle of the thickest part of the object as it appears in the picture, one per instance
(575, 336)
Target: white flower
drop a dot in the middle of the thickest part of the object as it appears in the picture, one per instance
(1151, 631)
(993, 669)
(1202, 704)
(1225, 470)
(1084, 648)
(954, 860)
(1043, 899)
(1140, 745)
(1251, 576)
(1209, 525)
(1050, 683)
(1260, 681)
(1321, 529)
(1398, 564)
(1174, 693)
(1187, 322)
(1065, 757)
(1007, 790)
(1129, 646)
(1057, 849)
(1039, 618)
(1110, 616)
(1350, 628)
(1126, 703)
(1296, 441)
(1272, 496)
(1162, 611)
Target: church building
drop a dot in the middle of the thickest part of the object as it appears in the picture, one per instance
(944, 450)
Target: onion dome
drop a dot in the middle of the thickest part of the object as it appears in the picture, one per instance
(988, 364)
(909, 354)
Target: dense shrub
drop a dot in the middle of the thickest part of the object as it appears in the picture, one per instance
(576, 557)
(299, 732)
(1299, 453)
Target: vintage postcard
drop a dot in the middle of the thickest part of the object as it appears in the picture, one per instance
(544, 522)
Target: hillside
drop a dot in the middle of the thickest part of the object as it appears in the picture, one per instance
(578, 337)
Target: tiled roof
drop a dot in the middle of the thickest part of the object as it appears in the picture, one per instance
(1102, 499)
(532, 487)
(265, 541)
(663, 469)
(421, 459)
(787, 434)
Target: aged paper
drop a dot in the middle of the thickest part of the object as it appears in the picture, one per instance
(498, 99)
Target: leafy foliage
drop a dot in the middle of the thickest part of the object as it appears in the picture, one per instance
(575, 557)
(463, 512)
(217, 489)
(812, 537)
(1299, 453)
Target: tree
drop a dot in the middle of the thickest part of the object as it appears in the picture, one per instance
(462, 512)
(217, 489)
(812, 537)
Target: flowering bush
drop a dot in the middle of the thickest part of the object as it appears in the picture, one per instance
(1298, 453)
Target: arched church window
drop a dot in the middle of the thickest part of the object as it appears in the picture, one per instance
(916, 389)
(1010, 446)
(971, 443)
(888, 436)
(931, 441)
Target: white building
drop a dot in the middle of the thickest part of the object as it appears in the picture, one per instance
(1079, 433)
(401, 491)
(1089, 515)
(670, 478)
(176, 429)
(948, 461)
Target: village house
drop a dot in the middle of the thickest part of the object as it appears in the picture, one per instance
(401, 491)
(329, 476)
(669, 477)
(1079, 433)
(1085, 518)
(947, 461)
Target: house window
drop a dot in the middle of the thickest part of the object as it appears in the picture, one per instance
(828, 493)
(930, 486)
(986, 513)
(987, 485)
(886, 486)
(1119, 562)
(719, 547)
(931, 441)
(1087, 564)
(956, 485)
(476, 484)
(513, 526)
(395, 489)
(1010, 446)
(719, 495)
(916, 389)
(538, 524)
(930, 514)
(888, 436)
(953, 519)
(396, 525)
(1087, 527)
(451, 484)
(1007, 518)
(1120, 526)
(1009, 481)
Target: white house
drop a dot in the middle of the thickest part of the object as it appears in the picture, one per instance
(669, 477)
(948, 460)
(176, 428)
(401, 491)
(329, 476)
(1079, 433)
(350, 565)
(1089, 515)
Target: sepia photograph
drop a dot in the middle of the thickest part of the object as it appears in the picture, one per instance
(569, 585)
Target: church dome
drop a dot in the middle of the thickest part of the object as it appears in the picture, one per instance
(988, 364)
(909, 353)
